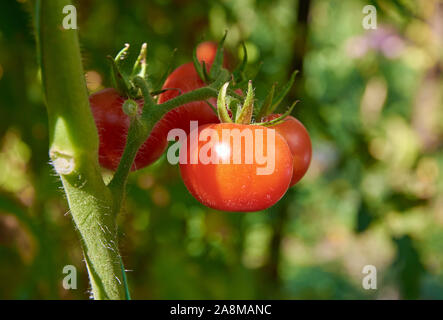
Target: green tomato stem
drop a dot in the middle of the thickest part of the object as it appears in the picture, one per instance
(74, 145)
(74, 149)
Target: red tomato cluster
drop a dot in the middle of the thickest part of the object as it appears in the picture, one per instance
(228, 187)
(113, 123)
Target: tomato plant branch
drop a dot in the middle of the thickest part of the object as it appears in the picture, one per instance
(74, 149)
(141, 127)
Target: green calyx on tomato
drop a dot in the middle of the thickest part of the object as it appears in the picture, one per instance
(286, 125)
(273, 100)
(235, 178)
(237, 165)
(122, 78)
(243, 113)
(289, 127)
(211, 61)
(214, 64)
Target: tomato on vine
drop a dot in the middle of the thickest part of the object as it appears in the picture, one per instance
(291, 129)
(236, 186)
(298, 141)
(236, 166)
(184, 79)
(113, 124)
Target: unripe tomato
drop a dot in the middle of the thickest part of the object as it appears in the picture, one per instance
(235, 186)
(113, 124)
(298, 141)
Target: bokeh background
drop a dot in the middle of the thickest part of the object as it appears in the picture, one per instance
(372, 101)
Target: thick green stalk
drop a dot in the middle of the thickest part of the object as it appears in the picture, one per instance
(74, 145)
(74, 148)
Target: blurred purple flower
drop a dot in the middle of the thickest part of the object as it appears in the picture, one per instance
(384, 40)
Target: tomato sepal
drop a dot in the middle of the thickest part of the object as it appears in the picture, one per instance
(244, 115)
(217, 65)
(283, 93)
(222, 109)
(239, 72)
(280, 119)
(198, 66)
(267, 103)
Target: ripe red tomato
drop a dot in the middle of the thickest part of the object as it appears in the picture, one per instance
(182, 80)
(236, 186)
(298, 141)
(112, 125)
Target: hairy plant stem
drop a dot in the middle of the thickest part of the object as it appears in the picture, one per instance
(74, 145)
(74, 149)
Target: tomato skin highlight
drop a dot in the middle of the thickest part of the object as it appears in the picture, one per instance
(298, 141)
(236, 187)
(113, 124)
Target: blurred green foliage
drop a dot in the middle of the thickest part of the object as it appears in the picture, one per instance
(371, 99)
